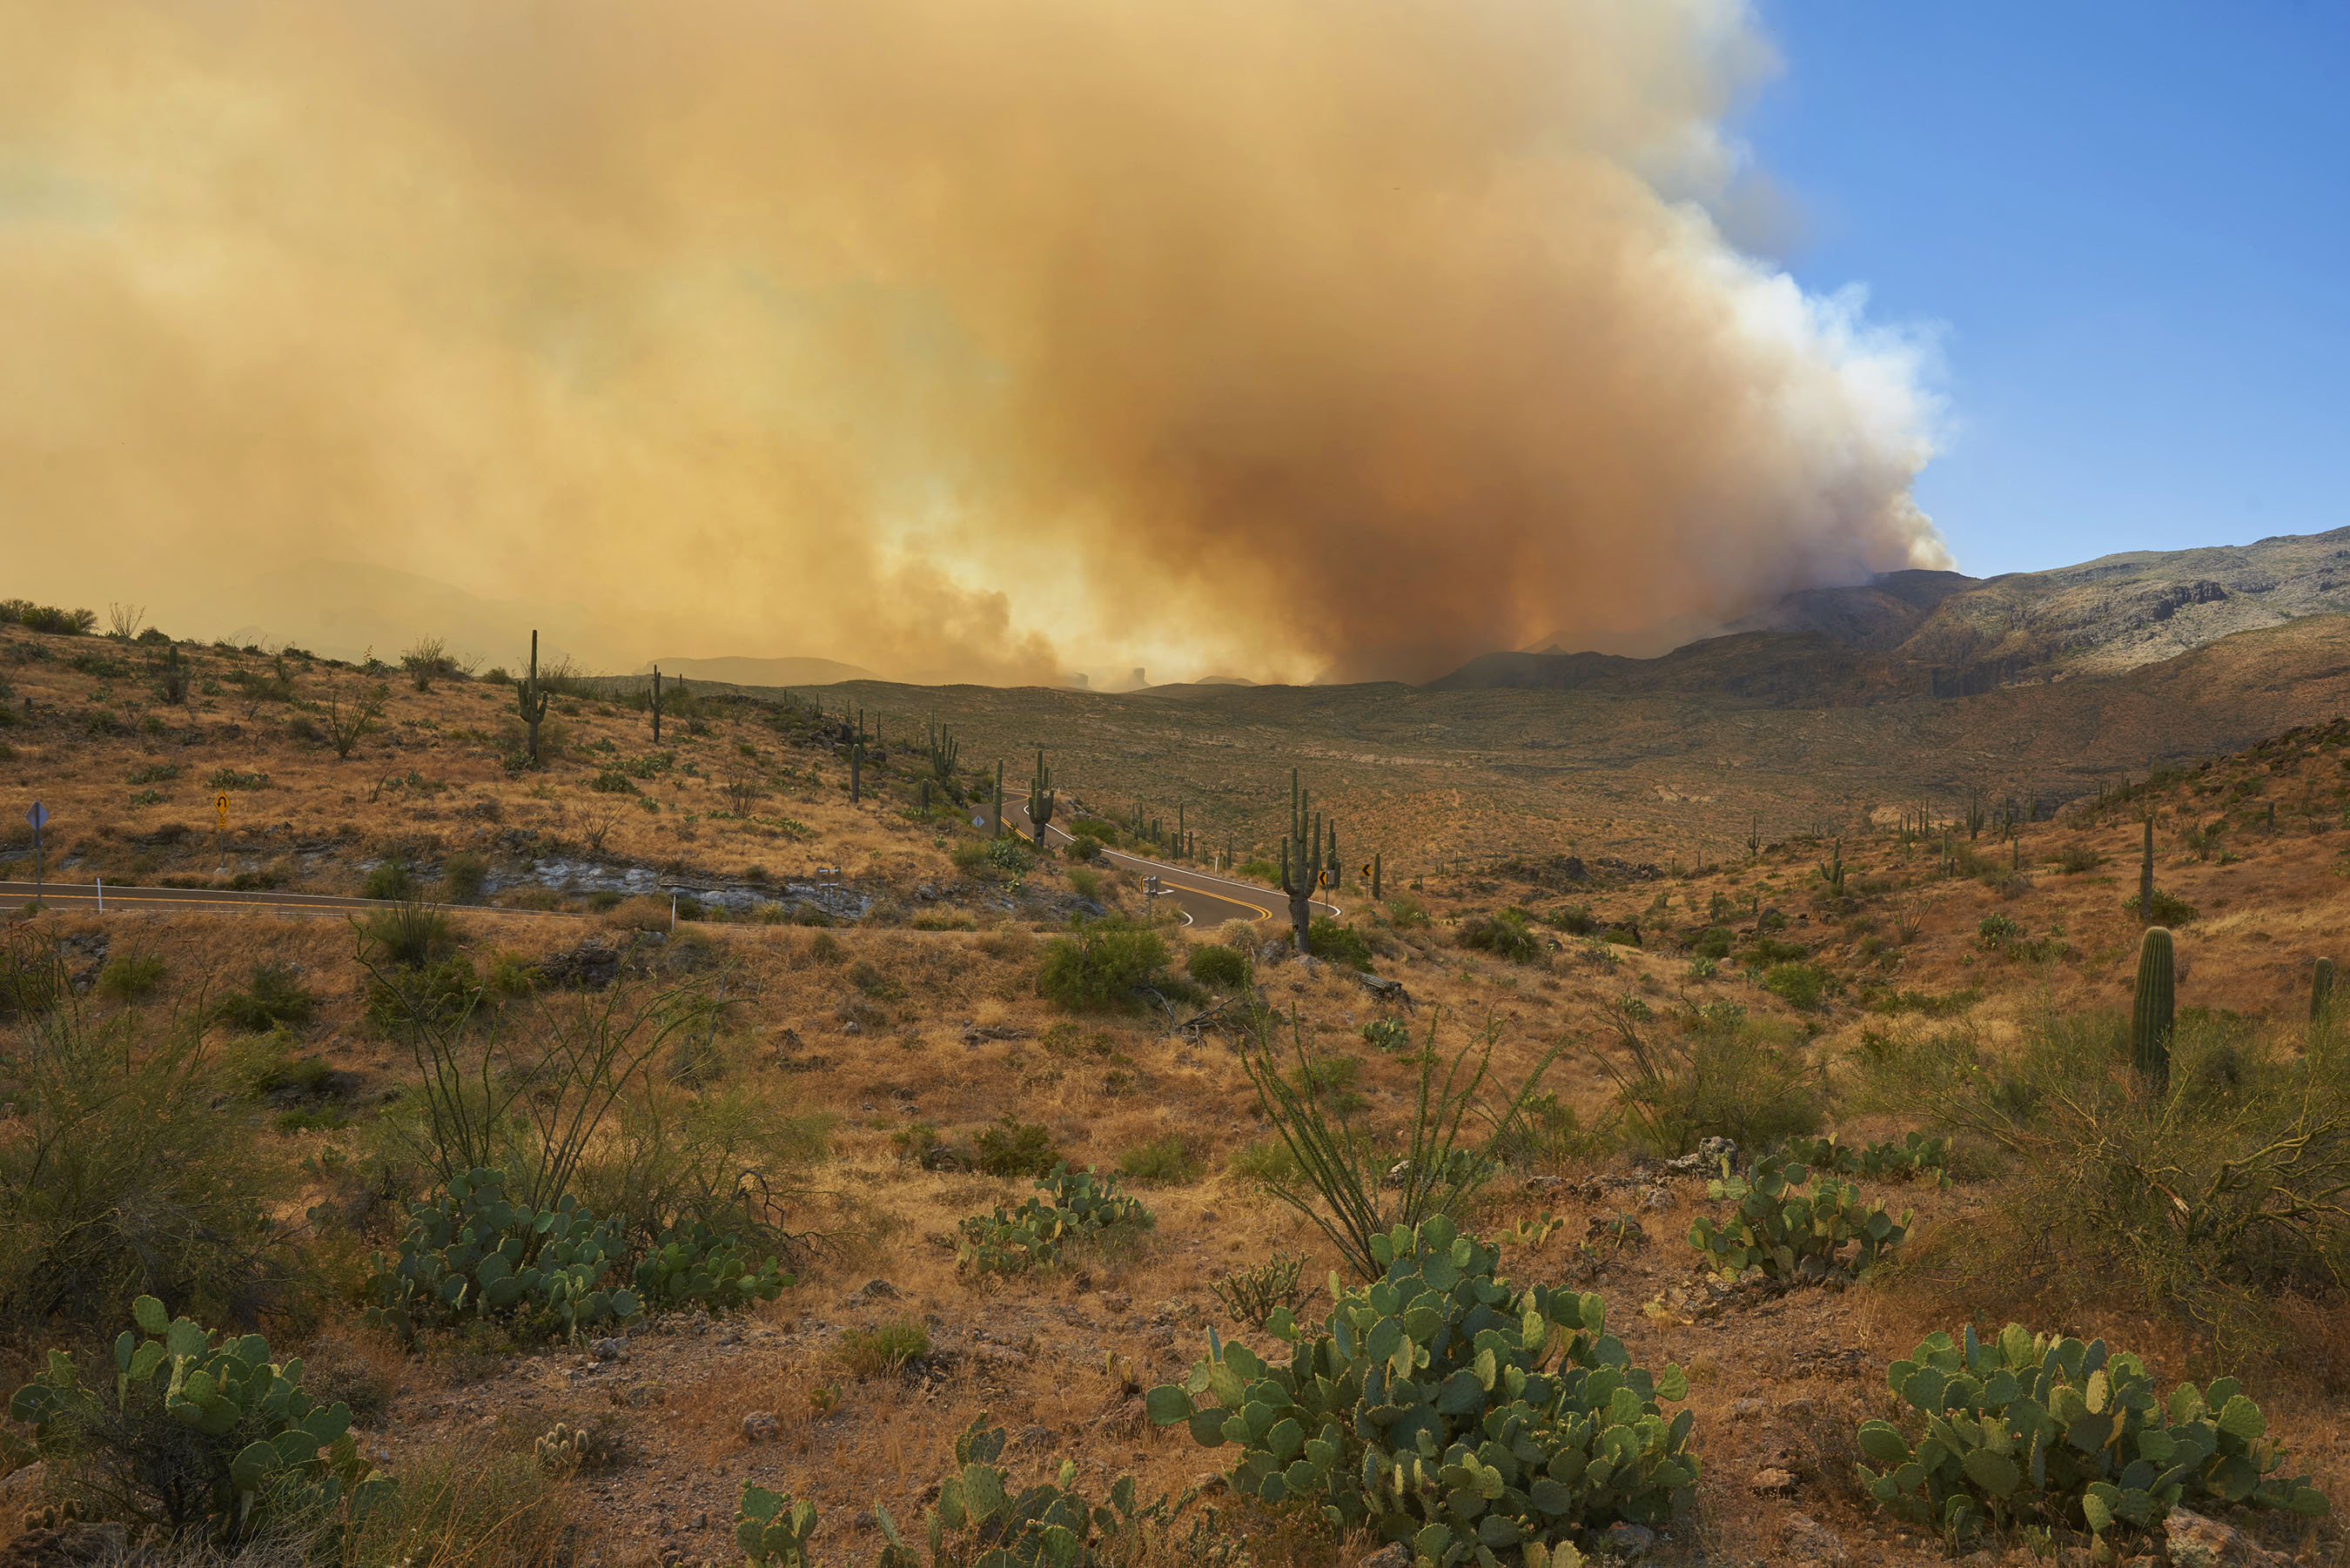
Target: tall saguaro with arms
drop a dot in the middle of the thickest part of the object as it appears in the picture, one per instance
(1303, 862)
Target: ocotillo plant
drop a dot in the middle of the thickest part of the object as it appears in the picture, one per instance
(656, 704)
(1301, 863)
(2151, 1011)
(532, 701)
(1040, 800)
(2145, 875)
(2321, 990)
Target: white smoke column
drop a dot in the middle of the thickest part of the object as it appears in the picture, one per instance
(1283, 336)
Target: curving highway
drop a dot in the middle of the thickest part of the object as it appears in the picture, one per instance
(1205, 899)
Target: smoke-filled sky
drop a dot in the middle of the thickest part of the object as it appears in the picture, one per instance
(1287, 338)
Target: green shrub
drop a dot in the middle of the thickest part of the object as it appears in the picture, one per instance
(613, 780)
(1099, 963)
(1333, 941)
(882, 1351)
(1212, 963)
(1802, 986)
(1260, 869)
(1014, 1148)
(1170, 1160)
(51, 619)
(1084, 1210)
(389, 880)
(1714, 943)
(1387, 1035)
(119, 1178)
(1267, 1160)
(409, 934)
(275, 995)
(1508, 935)
(1575, 919)
(2075, 858)
(131, 976)
(1709, 1072)
(463, 1506)
(194, 1438)
(1791, 1235)
(32, 975)
(447, 992)
(2034, 1430)
(463, 876)
(1441, 1406)
(1995, 931)
(2169, 909)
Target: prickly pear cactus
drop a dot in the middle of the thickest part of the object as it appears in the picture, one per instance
(1083, 1207)
(981, 1522)
(473, 1254)
(772, 1529)
(252, 1435)
(1794, 1235)
(695, 1266)
(2034, 1429)
(1443, 1407)
(1914, 1157)
(564, 1451)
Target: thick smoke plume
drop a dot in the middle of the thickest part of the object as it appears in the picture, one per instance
(1285, 337)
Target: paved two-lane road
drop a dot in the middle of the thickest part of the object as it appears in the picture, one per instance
(1205, 899)
(84, 896)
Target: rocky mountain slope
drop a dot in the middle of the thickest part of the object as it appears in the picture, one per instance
(1942, 634)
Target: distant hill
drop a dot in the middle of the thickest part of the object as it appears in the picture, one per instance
(1942, 634)
(763, 672)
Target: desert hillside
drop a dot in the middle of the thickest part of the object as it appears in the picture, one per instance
(866, 1033)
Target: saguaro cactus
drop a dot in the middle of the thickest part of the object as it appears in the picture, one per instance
(944, 751)
(856, 770)
(1376, 868)
(656, 704)
(998, 830)
(2151, 1011)
(1041, 800)
(2321, 990)
(531, 699)
(1302, 862)
(2145, 875)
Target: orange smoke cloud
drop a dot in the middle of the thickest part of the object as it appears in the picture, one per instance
(1280, 337)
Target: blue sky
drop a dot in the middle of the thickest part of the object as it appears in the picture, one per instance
(2131, 224)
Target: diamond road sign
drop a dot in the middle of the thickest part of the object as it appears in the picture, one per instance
(38, 815)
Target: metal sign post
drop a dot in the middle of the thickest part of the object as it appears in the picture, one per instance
(38, 815)
(220, 805)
